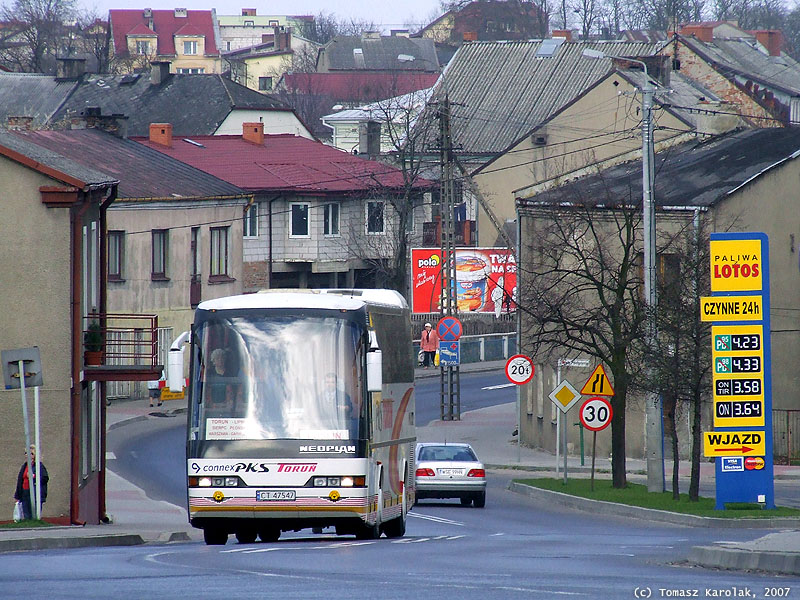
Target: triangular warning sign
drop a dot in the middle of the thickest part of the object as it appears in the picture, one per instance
(598, 384)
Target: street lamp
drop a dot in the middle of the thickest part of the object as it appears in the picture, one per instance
(653, 429)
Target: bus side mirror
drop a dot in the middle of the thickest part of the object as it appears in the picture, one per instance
(374, 371)
(175, 365)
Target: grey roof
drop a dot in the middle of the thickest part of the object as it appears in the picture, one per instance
(142, 172)
(500, 90)
(194, 104)
(380, 53)
(685, 92)
(31, 95)
(742, 56)
(693, 174)
(55, 160)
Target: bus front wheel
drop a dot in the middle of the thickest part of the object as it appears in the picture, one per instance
(396, 527)
(215, 537)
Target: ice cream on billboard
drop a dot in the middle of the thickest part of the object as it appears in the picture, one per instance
(472, 271)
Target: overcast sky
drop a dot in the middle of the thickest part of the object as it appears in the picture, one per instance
(389, 15)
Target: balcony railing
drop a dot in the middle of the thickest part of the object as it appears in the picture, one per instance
(127, 344)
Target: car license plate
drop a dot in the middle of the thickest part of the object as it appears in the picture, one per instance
(451, 471)
(271, 495)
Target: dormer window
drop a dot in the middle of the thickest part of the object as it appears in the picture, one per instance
(142, 47)
(249, 23)
(190, 47)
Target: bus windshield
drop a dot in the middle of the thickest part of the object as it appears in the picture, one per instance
(278, 377)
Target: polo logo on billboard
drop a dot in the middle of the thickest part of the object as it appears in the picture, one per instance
(736, 265)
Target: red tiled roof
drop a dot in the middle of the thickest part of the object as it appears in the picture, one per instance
(284, 163)
(165, 25)
(189, 29)
(359, 86)
(141, 29)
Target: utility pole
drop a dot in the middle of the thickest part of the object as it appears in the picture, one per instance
(449, 380)
(654, 433)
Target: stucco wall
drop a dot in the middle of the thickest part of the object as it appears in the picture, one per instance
(769, 204)
(275, 122)
(35, 287)
(170, 300)
(598, 127)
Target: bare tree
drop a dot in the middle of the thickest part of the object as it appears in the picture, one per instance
(581, 291)
(588, 12)
(681, 355)
(38, 29)
(326, 26)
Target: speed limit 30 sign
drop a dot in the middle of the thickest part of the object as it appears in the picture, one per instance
(596, 413)
(519, 369)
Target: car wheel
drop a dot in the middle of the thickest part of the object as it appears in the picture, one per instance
(396, 527)
(368, 532)
(215, 537)
(480, 500)
(246, 536)
(269, 535)
(466, 501)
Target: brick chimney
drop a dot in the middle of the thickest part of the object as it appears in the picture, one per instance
(563, 33)
(470, 36)
(161, 134)
(704, 33)
(159, 71)
(70, 67)
(20, 123)
(281, 38)
(771, 39)
(249, 12)
(253, 133)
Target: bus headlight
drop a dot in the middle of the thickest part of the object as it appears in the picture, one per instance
(204, 482)
(320, 481)
(347, 482)
(334, 481)
(231, 481)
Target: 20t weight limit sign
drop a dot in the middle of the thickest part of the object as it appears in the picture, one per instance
(596, 413)
(519, 369)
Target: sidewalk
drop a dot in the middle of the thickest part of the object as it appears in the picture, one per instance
(136, 519)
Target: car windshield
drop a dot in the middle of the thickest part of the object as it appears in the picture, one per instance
(447, 453)
(278, 377)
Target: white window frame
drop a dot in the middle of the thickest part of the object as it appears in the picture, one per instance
(143, 47)
(383, 217)
(116, 255)
(327, 210)
(250, 224)
(192, 45)
(292, 234)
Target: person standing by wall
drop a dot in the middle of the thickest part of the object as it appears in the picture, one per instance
(429, 344)
(24, 483)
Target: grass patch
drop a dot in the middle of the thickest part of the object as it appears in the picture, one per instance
(636, 494)
(28, 524)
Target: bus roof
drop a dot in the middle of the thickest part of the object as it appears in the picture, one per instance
(296, 298)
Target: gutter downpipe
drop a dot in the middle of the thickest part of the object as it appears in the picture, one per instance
(76, 217)
(269, 253)
(112, 195)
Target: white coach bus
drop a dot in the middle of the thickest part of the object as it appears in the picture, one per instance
(301, 414)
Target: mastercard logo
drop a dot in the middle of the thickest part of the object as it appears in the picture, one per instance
(753, 463)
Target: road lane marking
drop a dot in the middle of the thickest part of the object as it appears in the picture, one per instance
(435, 519)
(499, 387)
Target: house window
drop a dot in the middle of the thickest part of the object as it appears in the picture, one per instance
(219, 252)
(298, 227)
(249, 23)
(330, 225)
(195, 71)
(374, 217)
(158, 268)
(265, 84)
(116, 254)
(251, 221)
(142, 47)
(190, 47)
(227, 46)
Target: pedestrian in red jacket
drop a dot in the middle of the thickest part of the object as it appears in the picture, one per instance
(429, 344)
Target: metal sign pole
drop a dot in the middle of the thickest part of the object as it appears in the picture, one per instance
(27, 431)
(38, 510)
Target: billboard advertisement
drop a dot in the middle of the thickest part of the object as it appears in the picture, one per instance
(486, 280)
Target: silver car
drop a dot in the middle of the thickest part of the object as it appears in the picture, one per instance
(446, 470)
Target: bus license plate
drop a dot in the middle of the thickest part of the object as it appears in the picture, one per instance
(271, 495)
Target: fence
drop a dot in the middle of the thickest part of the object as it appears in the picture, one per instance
(786, 436)
(479, 348)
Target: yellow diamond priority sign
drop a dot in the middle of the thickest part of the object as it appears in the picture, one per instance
(564, 396)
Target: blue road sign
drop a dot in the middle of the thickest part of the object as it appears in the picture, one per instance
(449, 353)
(449, 329)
